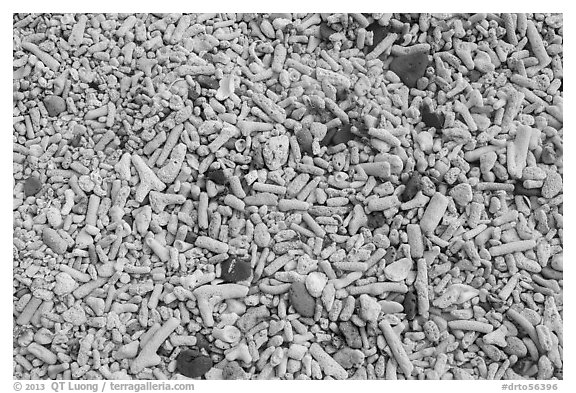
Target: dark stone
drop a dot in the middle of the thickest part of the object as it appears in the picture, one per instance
(192, 366)
(380, 32)
(128, 218)
(32, 186)
(230, 143)
(217, 176)
(376, 220)
(191, 237)
(193, 94)
(80, 206)
(390, 255)
(343, 135)
(474, 75)
(133, 327)
(485, 306)
(164, 351)
(410, 68)
(305, 139)
(522, 366)
(328, 138)
(342, 95)
(73, 347)
(326, 31)
(202, 342)
(413, 185)
(257, 158)
(207, 82)
(301, 300)
(235, 269)
(94, 85)
(432, 119)
(75, 141)
(529, 192)
(410, 305)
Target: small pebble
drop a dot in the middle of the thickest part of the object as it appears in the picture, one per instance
(348, 357)
(410, 305)
(75, 315)
(342, 136)
(235, 269)
(275, 152)
(305, 139)
(233, 371)
(261, 235)
(326, 31)
(399, 270)
(65, 284)
(54, 105)
(32, 186)
(192, 366)
(351, 334)
(217, 176)
(202, 342)
(432, 119)
(54, 241)
(315, 283)
(207, 82)
(410, 68)
(301, 300)
(380, 32)
(412, 186)
(462, 194)
(369, 308)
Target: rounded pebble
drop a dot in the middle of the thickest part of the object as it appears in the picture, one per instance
(54, 105)
(515, 346)
(192, 366)
(54, 241)
(399, 270)
(65, 284)
(32, 186)
(431, 331)
(301, 300)
(348, 357)
(261, 235)
(315, 283)
(425, 141)
(235, 269)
